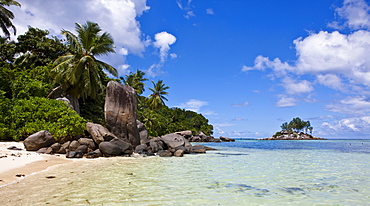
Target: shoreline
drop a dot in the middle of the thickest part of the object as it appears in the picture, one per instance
(16, 165)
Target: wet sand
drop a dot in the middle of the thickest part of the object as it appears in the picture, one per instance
(18, 164)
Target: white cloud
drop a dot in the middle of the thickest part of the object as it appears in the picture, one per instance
(285, 101)
(330, 80)
(293, 87)
(351, 105)
(241, 105)
(118, 17)
(193, 105)
(186, 7)
(163, 40)
(360, 125)
(210, 11)
(356, 15)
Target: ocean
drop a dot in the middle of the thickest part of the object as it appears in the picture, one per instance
(245, 172)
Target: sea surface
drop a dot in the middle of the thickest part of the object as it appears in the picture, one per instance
(245, 172)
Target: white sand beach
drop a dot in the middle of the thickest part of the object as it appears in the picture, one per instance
(17, 164)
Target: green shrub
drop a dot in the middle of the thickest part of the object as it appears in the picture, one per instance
(277, 134)
(5, 106)
(38, 113)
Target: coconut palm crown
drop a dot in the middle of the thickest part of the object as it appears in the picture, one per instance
(156, 99)
(6, 16)
(79, 72)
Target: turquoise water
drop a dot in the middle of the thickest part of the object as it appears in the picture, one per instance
(331, 172)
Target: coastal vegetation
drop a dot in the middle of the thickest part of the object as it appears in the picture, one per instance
(296, 129)
(37, 64)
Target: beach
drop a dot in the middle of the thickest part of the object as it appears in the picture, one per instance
(15, 165)
(256, 172)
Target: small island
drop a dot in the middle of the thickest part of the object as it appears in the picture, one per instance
(294, 131)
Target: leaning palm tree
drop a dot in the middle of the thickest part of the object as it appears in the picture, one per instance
(156, 99)
(79, 72)
(6, 16)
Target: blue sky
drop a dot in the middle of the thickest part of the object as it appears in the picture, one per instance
(246, 65)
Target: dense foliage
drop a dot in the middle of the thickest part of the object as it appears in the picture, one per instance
(297, 125)
(26, 78)
(25, 82)
(156, 116)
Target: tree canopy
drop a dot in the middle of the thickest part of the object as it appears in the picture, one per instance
(79, 72)
(297, 125)
(27, 68)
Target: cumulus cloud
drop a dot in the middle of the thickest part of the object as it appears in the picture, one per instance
(338, 61)
(285, 101)
(118, 17)
(294, 87)
(163, 41)
(359, 125)
(330, 80)
(355, 13)
(193, 105)
(351, 105)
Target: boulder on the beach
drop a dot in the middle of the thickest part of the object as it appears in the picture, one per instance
(143, 132)
(155, 145)
(73, 145)
(74, 154)
(179, 153)
(88, 142)
(141, 149)
(93, 154)
(120, 112)
(186, 133)
(42, 150)
(164, 153)
(173, 140)
(38, 140)
(198, 149)
(115, 147)
(99, 133)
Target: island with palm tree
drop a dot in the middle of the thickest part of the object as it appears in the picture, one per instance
(294, 131)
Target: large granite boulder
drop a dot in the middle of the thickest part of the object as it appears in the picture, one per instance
(115, 147)
(173, 140)
(99, 133)
(120, 112)
(39, 140)
(143, 132)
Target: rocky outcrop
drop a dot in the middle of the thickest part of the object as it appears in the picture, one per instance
(201, 137)
(38, 140)
(143, 132)
(115, 147)
(226, 139)
(120, 112)
(285, 135)
(99, 133)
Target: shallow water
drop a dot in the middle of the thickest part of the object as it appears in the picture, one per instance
(332, 172)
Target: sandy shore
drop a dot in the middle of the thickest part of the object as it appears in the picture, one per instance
(18, 164)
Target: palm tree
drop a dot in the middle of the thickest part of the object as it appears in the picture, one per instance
(6, 16)
(79, 72)
(136, 81)
(156, 99)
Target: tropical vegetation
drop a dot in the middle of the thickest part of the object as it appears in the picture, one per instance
(297, 125)
(35, 64)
